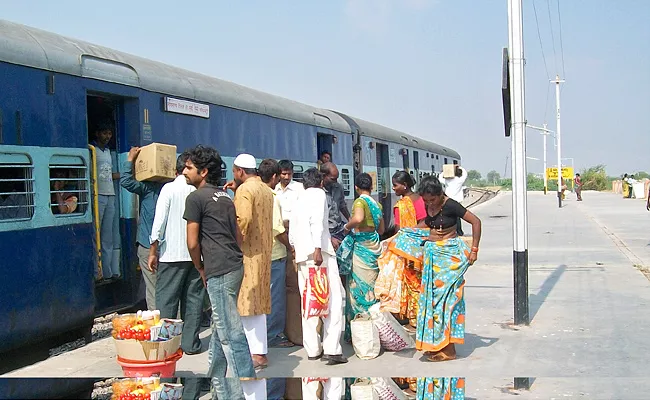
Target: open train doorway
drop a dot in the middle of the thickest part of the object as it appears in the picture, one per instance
(324, 146)
(384, 182)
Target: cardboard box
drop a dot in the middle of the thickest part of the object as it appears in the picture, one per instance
(131, 349)
(156, 162)
(449, 170)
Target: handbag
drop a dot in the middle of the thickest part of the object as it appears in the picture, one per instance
(365, 337)
(392, 335)
(362, 389)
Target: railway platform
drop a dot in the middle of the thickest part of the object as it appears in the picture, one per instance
(589, 291)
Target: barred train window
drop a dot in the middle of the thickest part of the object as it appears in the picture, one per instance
(69, 194)
(16, 187)
(297, 173)
(345, 178)
(224, 176)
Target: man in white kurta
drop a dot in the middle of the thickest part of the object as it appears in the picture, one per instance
(310, 237)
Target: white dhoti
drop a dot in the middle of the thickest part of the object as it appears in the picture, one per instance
(333, 323)
(255, 329)
(254, 389)
(332, 389)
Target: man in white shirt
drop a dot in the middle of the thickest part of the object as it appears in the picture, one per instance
(310, 237)
(178, 282)
(287, 191)
(454, 190)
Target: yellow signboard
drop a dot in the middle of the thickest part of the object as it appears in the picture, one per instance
(567, 173)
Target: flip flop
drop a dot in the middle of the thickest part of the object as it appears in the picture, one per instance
(284, 343)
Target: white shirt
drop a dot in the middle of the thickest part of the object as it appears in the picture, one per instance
(288, 197)
(169, 228)
(309, 225)
(454, 186)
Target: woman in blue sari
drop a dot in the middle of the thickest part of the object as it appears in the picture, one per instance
(441, 311)
(359, 251)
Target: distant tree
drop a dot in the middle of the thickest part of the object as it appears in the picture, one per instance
(595, 178)
(493, 178)
(641, 175)
(473, 175)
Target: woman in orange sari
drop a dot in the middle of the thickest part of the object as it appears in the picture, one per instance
(408, 212)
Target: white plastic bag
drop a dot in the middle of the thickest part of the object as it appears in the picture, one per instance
(365, 337)
(392, 335)
(387, 389)
(362, 389)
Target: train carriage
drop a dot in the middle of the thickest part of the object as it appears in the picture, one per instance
(54, 91)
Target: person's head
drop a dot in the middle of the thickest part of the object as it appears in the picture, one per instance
(578, 175)
(363, 183)
(431, 191)
(180, 162)
(57, 176)
(244, 167)
(625, 176)
(286, 172)
(312, 178)
(457, 171)
(269, 171)
(330, 174)
(402, 183)
(104, 133)
(632, 176)
(203, 165)
(325, 157)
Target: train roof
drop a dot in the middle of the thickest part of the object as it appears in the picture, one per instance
(23, 45)
(383, 133)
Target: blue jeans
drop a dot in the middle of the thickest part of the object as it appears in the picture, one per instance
(106, 225)
(228, 346)
(276, 320)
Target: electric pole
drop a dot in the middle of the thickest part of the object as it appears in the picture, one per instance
(544, 132)
(557, 82)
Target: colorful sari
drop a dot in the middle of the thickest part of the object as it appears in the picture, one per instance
(440, 389)
(357, 258)
(441, 315)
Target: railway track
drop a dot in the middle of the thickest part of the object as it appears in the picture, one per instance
(482, 194)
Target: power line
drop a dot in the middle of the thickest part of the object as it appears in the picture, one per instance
(559, 17)
(539, 35)
(550, 21)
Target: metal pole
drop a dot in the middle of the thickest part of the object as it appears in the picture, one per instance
(557, 82)
(519, 200)
(545, 133)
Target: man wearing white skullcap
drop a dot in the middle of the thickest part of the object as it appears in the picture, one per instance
(254, 207)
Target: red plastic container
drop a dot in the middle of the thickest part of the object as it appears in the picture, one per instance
(146, 369)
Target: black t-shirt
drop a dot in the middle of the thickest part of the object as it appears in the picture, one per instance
(447, 217)
(214, 210)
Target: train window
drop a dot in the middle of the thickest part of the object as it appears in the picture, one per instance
(437, 157)
(297, 173)
(445, 160)
(224, 174)
(16, 187)
(69, 192)
(455, 162)
(427, 155)
(345, 179)
(416, 159)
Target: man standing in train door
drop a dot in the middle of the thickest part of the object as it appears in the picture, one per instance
(310, 237)
(254, 206)
(148, 194)
(213, 241)
(178, 282)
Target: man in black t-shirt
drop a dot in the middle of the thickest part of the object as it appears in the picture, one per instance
(212, 233)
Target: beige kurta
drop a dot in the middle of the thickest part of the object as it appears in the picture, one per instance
(254, 206)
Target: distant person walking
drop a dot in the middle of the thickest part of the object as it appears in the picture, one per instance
(578, 184)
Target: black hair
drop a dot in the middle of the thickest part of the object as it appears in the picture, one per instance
(285, 165)
(577, 174)
(206, 158)
(457, 171)
(249, 171)
(326, 152)
(363, 181)
(267, 169)
(312, 178)
(404, 178)
(104, 125)
(180, 162)
(430, 185)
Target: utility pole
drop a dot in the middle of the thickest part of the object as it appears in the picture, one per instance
(544, 132)
(557, 82)
(519, 200)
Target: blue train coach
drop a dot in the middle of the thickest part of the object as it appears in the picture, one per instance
(54, 91)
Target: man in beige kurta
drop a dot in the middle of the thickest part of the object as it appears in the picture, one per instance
(254, 207)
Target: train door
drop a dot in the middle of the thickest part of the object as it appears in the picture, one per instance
(324, 144)
(384, 187)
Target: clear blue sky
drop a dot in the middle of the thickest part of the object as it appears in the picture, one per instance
(427, 67)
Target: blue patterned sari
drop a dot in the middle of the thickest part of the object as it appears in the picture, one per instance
(440, 389)
(357, 258)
